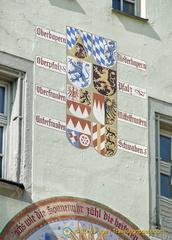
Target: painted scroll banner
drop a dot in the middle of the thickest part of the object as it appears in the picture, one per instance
(50, 65)
(132, 148)
(50, 123)
(132, 90)
(50, 35)
(50, 94)
(132, 62)
(92, 90)
(70, 218)
(132, 119)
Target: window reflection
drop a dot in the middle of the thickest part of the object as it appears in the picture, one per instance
(2, 94)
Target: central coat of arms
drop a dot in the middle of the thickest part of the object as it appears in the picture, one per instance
(91, 92)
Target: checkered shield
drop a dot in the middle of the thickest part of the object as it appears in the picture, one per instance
(104, 51)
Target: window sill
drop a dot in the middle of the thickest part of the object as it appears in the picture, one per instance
(128, 15)
(10, 188)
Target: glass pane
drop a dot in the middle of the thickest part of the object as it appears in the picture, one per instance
(165, 186)
(0, 167)
(116, 4)
(170, 181)
(165, 148)
(128, 8)
(1, 137)
(2, 94)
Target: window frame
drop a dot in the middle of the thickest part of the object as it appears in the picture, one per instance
(10, 121)
(4, 120)
(161, 109)
(168, 165)
(18, 72)
(139, 8)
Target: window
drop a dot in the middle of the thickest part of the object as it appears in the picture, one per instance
(164, 154)
(164, 169)
(11, 111)
(1, 155)
(160, 166)
(131, 7)
(16, 119)
(3, 122)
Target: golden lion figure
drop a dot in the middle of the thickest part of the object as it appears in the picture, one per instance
(105, 81)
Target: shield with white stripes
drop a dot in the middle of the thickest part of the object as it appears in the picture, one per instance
(104, 139)
(98, 137)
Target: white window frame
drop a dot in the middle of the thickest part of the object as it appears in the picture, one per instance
(4, 122)
(18, 72)
(139, 7)
(136, 4)
(166, 165)
(159, 111)
(13, 111)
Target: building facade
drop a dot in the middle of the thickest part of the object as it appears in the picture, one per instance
(85, 120)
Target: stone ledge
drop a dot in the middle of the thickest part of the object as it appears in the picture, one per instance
(129, 15)
(10, 189)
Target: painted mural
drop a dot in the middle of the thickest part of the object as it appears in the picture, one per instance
(70, 218)
(91, 92)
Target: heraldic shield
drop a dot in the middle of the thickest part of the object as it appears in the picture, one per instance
(104, 109)
(79, 72)
(91, 109)
(104, 51)
(78, 102)
(104, 139)
(78, 131)
(79, 43)
(104, 80)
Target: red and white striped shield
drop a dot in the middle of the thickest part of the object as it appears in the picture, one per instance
(104, 139)
(98, 137)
